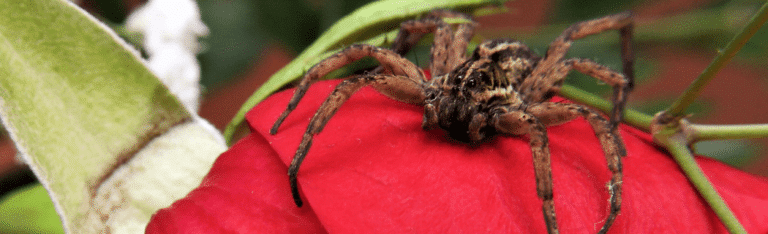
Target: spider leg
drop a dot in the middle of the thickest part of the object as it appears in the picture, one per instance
(555, 113)
(622, 85)
(477, 123)
(449, 51)
(412, 31)
(430, 119)
(628, 60)
(516, 122)
(389, 60)
(338, 96)
(449, 47)
(542, 77)
(596, 70)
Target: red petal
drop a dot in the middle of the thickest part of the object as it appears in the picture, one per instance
(374, 170)
(243, 193)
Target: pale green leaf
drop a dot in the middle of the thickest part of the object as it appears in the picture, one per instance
(83, 110)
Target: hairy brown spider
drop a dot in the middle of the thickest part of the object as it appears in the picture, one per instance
(503, 88)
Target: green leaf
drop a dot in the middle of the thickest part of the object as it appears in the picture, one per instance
(737, 153)
(28, 210)
(368, 21)
(234, 41)
(99, 130)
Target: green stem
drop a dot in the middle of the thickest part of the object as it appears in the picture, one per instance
(632, 117)
(677, 108)
(715, 132)
(677, 146)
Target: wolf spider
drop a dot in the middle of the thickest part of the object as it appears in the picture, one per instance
(503, 88)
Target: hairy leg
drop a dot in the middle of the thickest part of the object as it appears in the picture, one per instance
(555, 113)
(516, 122)
(389, 60)
(619, 82)
(412, 31)
(622, 85)
(542, 75)
(478, 123)
(338, 96)
(430, 120)
(449, 47)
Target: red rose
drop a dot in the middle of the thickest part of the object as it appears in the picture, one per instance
(374, 170)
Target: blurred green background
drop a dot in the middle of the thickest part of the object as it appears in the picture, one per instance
(675, 40)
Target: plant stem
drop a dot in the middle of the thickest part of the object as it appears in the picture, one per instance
(677, 146)
(715, 132)
(632, 117)
(690, 94)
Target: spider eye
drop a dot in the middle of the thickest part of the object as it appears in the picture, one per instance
(458, 79)
(471, 83)
(484, 78)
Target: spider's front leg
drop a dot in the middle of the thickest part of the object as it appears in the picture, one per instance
(340, 94)
(542, 76)
(520, 122)
(389, 60)
(556, 113)
(406, 84)
(412, 31)
(449, 47)
(551, 113)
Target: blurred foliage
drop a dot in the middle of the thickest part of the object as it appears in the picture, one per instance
(301, 21)
(568, 11)
(701, 108)
(737, 153)
(29, 210)
(234, 42)
(240, 29)
(108, 10)
(756, 50)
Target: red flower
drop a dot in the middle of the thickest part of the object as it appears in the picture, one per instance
(374, 170)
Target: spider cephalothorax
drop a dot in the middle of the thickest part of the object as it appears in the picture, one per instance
(475, 90)
(502, 88)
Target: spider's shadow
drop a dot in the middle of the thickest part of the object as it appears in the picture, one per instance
(443, 136)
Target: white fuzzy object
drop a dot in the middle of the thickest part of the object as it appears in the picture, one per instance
(171, 29)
